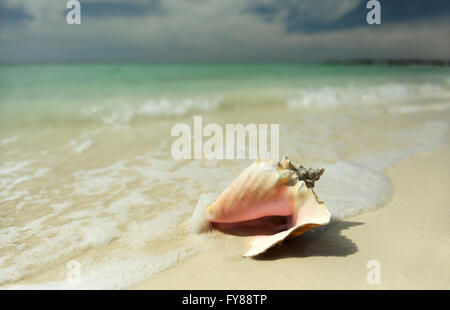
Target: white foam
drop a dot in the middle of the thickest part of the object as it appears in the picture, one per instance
(9, 140)
(11, 168)
(334, 97)
(126, 263)
(61, 205)
(99, 181)
(83, 146)
(348, 189)
(87, 228)
(124, 113)
(13, 174)
(416, 108)
(166, 107)
(197, 221)
(117, 273)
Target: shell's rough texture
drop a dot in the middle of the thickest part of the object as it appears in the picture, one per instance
(269, 188)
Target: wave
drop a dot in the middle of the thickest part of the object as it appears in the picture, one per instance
(400, 97)
(154, 108)
(326, 97)
(333, 97)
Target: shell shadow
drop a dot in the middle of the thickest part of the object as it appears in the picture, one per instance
(326, 241)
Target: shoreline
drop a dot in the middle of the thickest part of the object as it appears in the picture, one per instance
(397, 235)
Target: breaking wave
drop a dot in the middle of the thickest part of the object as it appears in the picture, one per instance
(401, 98)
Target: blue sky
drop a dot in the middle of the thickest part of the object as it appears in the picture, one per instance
(222, 30)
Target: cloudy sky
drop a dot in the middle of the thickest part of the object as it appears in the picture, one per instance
(222, 30)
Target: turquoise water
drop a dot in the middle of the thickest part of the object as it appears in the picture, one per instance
(53, 92)
(86, 81)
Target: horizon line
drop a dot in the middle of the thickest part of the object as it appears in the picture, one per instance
(356, 61)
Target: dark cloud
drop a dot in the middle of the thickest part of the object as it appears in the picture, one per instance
(296, 20)
(267, 12)
(13, 14)
(17, 14)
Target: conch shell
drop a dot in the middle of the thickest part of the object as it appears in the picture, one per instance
(270, 188)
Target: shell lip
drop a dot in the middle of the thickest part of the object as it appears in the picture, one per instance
(262, 244)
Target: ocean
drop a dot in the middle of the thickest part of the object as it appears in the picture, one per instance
(87, 175)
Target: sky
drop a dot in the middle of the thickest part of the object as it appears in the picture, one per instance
(223, 30)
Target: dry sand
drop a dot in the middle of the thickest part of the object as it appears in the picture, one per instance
(409, 237)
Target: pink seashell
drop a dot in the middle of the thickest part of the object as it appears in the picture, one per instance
(269, 188)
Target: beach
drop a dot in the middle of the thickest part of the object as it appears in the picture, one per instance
(88, 178)
(408, 236)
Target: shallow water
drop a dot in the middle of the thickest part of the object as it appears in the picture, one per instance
(86, 172)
